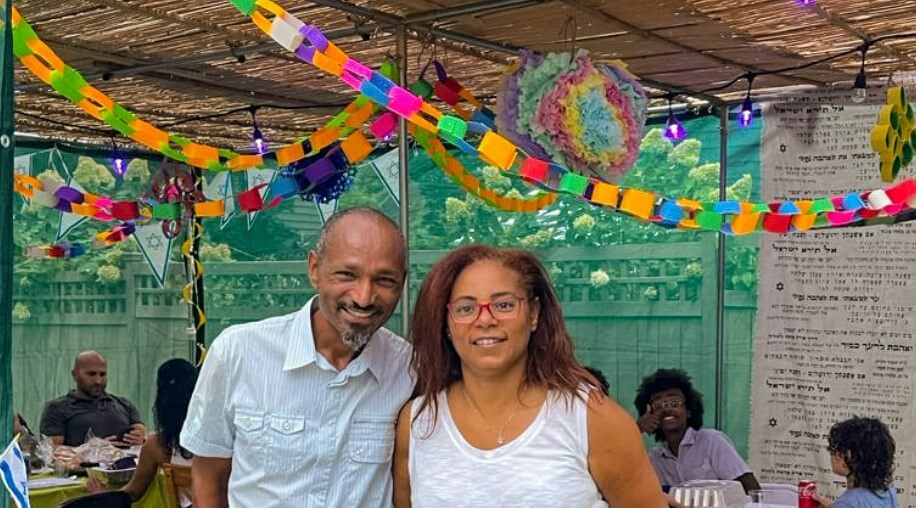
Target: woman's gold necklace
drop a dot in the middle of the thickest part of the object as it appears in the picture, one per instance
(499, 434)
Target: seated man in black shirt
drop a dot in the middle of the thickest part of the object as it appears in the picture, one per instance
(67, 420)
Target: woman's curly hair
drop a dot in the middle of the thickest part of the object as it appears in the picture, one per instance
(668, 379)
(868, 449)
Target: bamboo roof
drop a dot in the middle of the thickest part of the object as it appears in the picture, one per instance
(173, 61)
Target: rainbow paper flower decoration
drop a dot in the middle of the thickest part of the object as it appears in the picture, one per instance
(585, 116)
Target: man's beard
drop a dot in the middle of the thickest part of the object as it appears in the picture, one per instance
(356, 339)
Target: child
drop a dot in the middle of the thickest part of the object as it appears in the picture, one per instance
(862, 450)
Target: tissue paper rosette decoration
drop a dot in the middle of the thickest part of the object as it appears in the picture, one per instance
(509, 103)
(588, 117)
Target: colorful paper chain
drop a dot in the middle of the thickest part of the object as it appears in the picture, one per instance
(468, 107)
(894, 138)
(42, 61)
(102, 240)
(731, 217)
(47, 65)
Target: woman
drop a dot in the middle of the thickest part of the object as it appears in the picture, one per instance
(505, 415)
(174, 385)
(862, 450)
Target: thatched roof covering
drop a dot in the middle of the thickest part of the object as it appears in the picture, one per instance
(171, 60)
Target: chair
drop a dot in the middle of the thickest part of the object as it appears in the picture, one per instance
(177, 478)
(115, 499)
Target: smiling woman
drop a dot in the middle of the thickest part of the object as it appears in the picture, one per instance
(506, 415)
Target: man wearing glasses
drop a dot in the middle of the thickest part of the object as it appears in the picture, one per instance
(672, 410)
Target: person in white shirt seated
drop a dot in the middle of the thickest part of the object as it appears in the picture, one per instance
(672, 410)
(506, 416)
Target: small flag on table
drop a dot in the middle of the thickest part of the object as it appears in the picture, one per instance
(13, 474)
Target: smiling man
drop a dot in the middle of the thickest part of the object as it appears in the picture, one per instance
(672, 410)
(299, 410)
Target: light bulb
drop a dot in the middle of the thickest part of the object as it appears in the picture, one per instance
(746, 116)
(674, 129)
(860, 88)
(259, 145)
(118, 164)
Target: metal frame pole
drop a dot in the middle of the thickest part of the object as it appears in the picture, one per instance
(720, 270)
(403, 181)
(7, 146)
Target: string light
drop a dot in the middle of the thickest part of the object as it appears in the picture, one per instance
(260, 145)
(118, 162)
(860, 88)
(674, 129)
(746, 116)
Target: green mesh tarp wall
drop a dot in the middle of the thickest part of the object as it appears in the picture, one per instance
(637, 297)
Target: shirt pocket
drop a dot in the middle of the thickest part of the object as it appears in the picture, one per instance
(371, 439)
(249, 427)
(285, 442)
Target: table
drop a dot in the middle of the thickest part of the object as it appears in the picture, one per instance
(156, 495)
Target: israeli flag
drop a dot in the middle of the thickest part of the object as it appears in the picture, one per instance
(13, 474)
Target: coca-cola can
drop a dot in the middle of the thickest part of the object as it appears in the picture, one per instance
(806, 491)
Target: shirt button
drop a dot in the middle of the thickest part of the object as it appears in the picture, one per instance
(286, 425)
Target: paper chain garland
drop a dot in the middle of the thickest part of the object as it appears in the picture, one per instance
(466, 106)
(45, 64)
(894, 136)
(730, 217)
(102, 240)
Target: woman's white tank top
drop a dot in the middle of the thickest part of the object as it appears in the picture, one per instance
(547, 465)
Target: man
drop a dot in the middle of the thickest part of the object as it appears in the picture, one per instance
(69, 419)
(299, 410)
(671, 409)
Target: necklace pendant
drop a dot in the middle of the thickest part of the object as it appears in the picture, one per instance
(500, 440)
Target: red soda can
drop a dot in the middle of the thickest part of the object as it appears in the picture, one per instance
(806, 490)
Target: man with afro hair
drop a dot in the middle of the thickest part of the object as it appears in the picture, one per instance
(672, 410)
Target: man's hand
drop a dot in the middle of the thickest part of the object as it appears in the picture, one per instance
(648, 422)
(136, 436)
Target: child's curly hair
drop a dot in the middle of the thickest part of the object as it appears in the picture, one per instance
(868, 449)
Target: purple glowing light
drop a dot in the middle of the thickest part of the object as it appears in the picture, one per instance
(674, 129)
(746, 116)
(258, 139)
(118, 165)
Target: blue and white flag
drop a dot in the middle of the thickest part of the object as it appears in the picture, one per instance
(14, 475)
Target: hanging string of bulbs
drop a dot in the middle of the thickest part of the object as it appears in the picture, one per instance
(675, 131)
